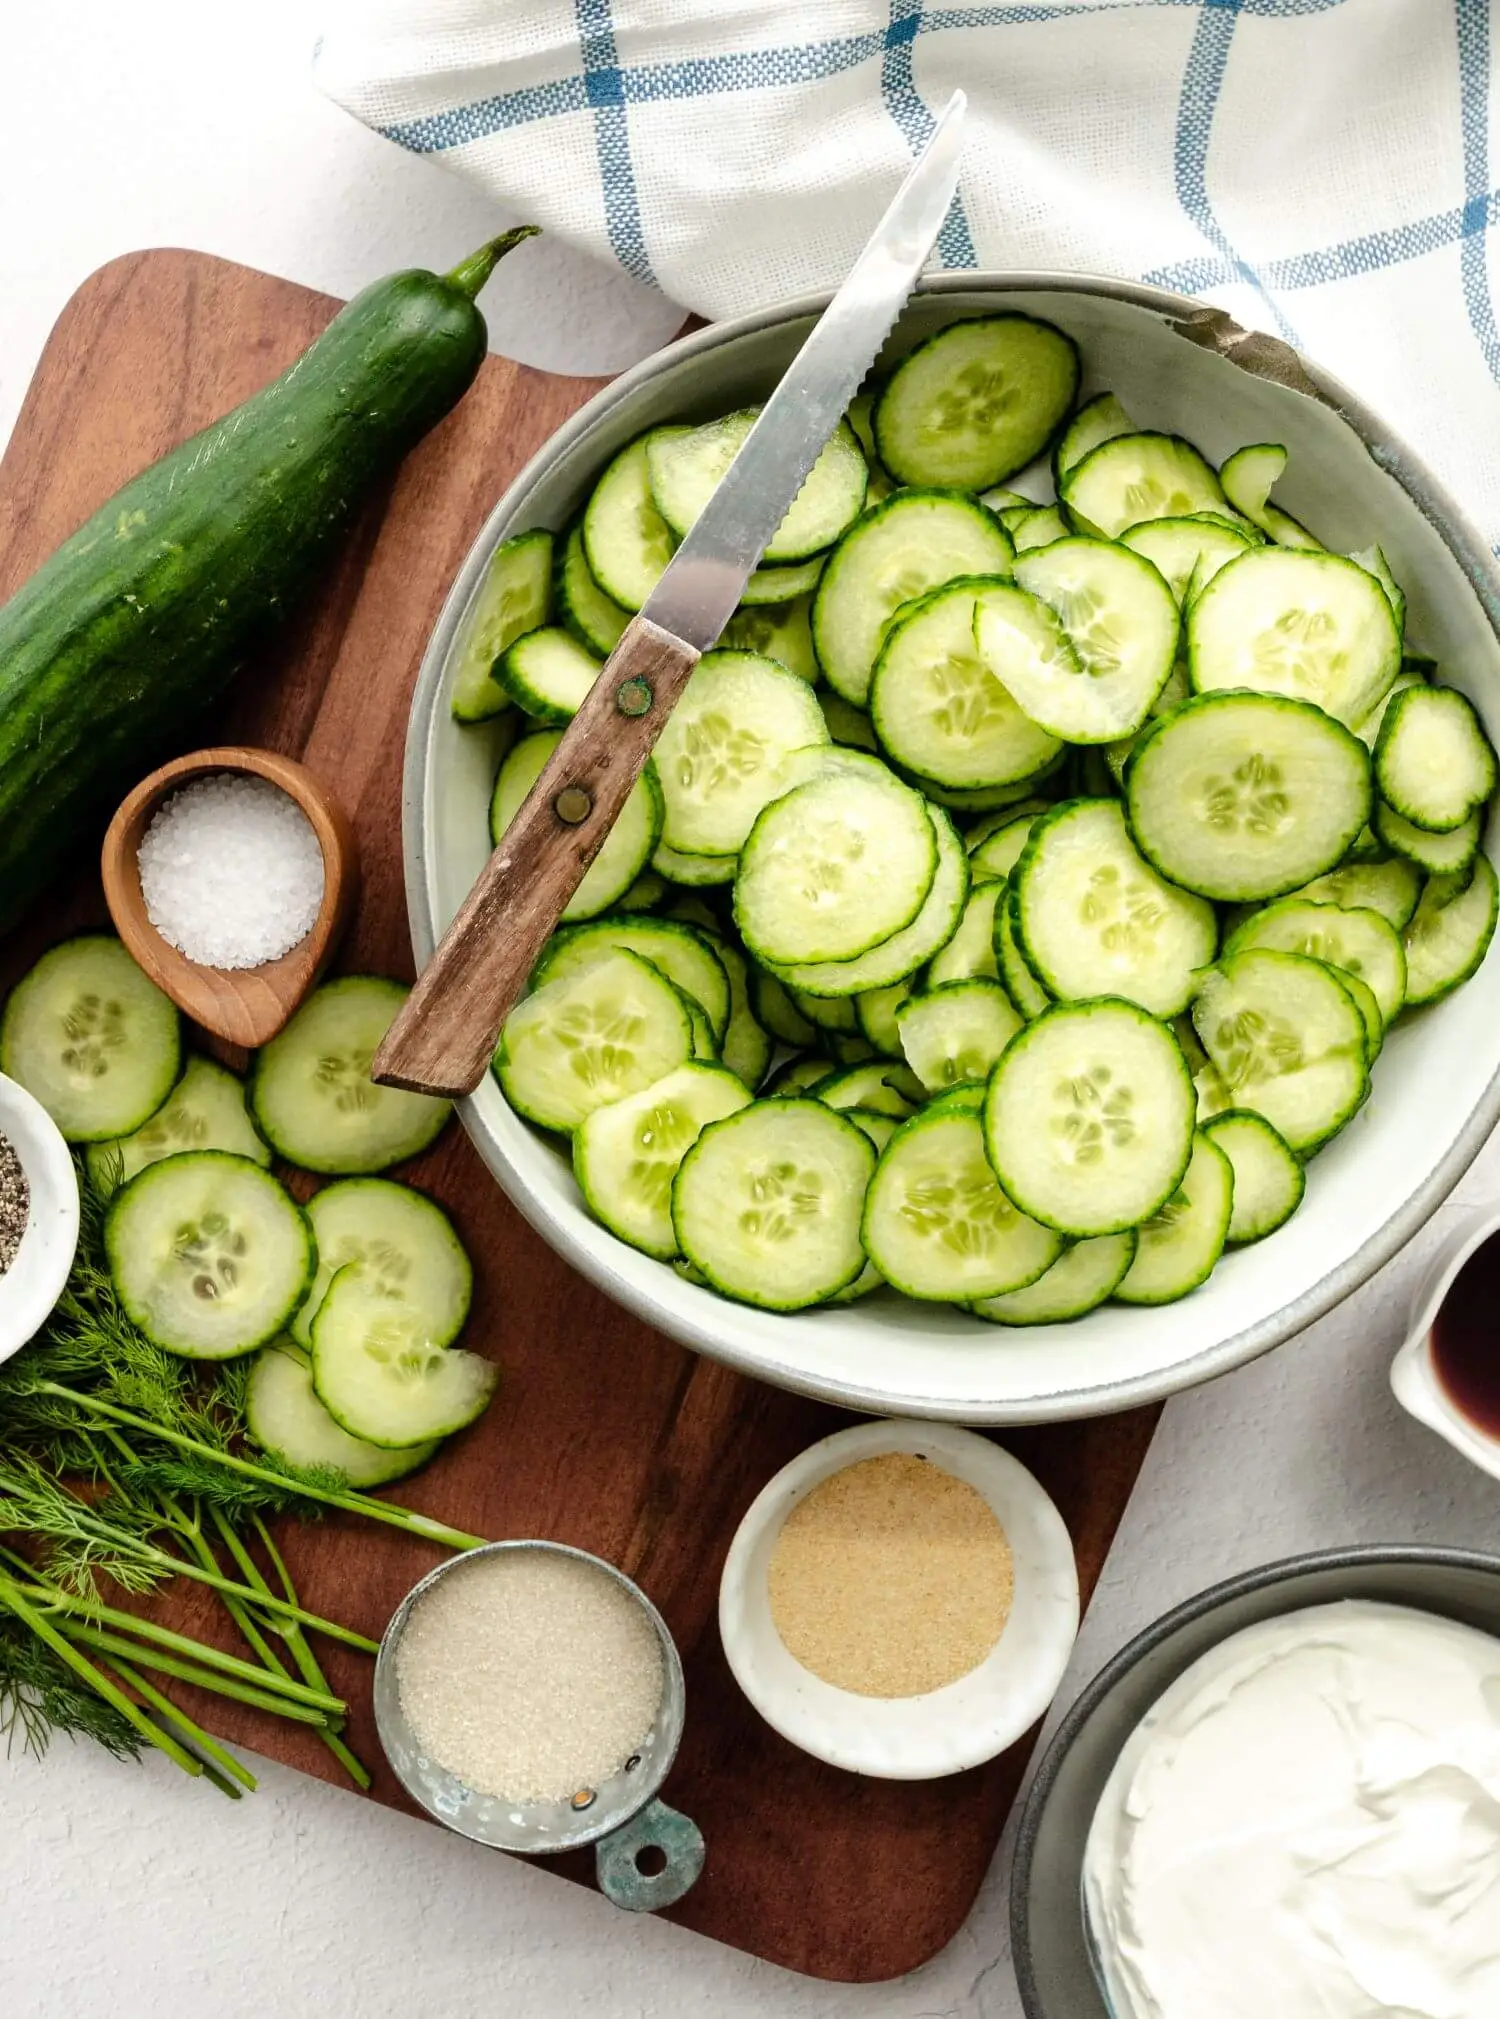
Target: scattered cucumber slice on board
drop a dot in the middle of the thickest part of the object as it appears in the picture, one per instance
(628, 847)
(684, 471)
(721, 753)
(626, 541)
(1097, 421)
(1288, 1041)
(514, 597)
(548, 674)
(1448, 854)
(767, 1203)
(595, 620)
(1268, 1180)
(382, 1379)
(1083, 1277)
(311, 1093)
(1356, 942)
(1176, 1249)
(1131, 478)
(285, 1418)
(1433, 761)
(680, 951)
(208, 1254)
(205, 1111)
(970, 954)
(1391, 887)
(976, 402)
(401, 1241)
(626, 1154)
(1248, 477)
(609, 1027)
(1449, 933)
(93, 1039)
(780, 631)
(956, 1032)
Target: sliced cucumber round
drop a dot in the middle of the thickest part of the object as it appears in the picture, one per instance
(876, 1010)
(797, 579)
(382, 1379)
(1391, 887)
(1097, 420)
(779, 631)
(626, 541)
(1176, 1249)
(694, 872)
(1433, 761)
(626, 1155)
(1130, 478)
(767, 1203)
(1187, 553)
(1288, 1041)
(777, 1011)
(595, 620)
(878, 1086)
(796, 1076)
(970, 954)
(311, 1093)
(208, 1254)
(680, 951)
(1368, 727)
(721, 753)
(997, 849)
(1084, 1276)
(686, 469)
(956, 1032)
(849, 727)
(1038, 529)
(512, 598)
(1449, 933)
(1019, 979)
(747, 1046)
(401, 1240)
(1089, 1117)
(1360, 943)
(1268, 1179)
(1447, 854)
(1121, 622)
(548, 674)
(1247, 477)
(976, 402)
(98, 1044)
(628, 846)
(609, 1027)
(285, 1418)
(204, 1111)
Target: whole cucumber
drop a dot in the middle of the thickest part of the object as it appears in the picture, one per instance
(142, 618)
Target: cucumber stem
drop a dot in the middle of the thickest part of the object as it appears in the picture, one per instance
(471, 274)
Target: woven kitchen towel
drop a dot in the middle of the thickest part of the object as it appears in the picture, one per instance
(1318, 167)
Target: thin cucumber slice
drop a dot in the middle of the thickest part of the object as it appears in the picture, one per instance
(970, 954)
(512, 598)
(797, 1076)
(1356, 942)
(1097, 421)
(1089, 1117)
(876, 1010)
(880, 1087)
(548, 674)
(775, 1010)
(92, 1039)
(1391, 887)
(956, 1032)
(771, 586)
(626, 1155)
(1369, 1010)
(914, 542)
(1433, 761)
(694, 872)
(1187, 553)
(403, 1242)
(680, 951)
(747, 1046)
(608, 1027)
(1020, 983)
(1083, 1277)
(685, 470)
(1012, 515)
(1248, 477)
(285, 1418)
(832, 869)
(628, 846)
(767, 1203)
(204, 1111)
(852, 1051)
(829, 1013)
(1095, 919)
(1373, 561)
(1288, 1041)
(311, 1093)
(626, 541)
(938, 708)
(1368, 728)
(967, 1098)
(988, 798)
(1130, 478)
(1246, 796)
(779, 631)
(721, 753)
(595, 620)
(1120, 621)
(1268, 1180)
(1449, 933)
(209, 1256)
(861, 418)
(705, 1044)
(647, 892)
(1039, 529)
(999, 850)
(1450, 854)
(937, 1225)
(382, 1379)
(976, 402)
(999, 501)
(1179, 1245)
(848, 725)
(905, 951)
(1314, 627)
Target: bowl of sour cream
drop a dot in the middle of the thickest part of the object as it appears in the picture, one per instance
(1282, 1799)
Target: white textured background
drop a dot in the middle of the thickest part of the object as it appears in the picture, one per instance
(122, 1890)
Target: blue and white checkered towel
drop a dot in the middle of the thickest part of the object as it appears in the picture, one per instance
(1318, 167)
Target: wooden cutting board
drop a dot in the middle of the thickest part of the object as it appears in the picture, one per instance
(604, 1434)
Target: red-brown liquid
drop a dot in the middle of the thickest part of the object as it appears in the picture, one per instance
(1466, 1339)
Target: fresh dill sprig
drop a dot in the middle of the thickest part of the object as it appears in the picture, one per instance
(40, 1695)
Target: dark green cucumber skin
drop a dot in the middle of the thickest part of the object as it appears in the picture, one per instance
(140, 620)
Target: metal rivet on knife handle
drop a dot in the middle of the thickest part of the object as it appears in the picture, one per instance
(574, 805)
(633, 697)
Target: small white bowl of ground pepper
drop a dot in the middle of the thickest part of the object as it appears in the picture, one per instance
(901, 1600)
(38, 1216)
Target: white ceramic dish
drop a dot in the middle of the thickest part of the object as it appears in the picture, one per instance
(909, 1738)
(1414, 1379)
(1436, 1092)
(34, 1281)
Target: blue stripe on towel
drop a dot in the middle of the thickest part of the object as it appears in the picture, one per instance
(606, 94)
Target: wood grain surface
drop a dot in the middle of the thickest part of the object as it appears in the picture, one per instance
(604, 1434)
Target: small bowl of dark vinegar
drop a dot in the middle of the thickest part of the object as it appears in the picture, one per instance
(1447, 1374)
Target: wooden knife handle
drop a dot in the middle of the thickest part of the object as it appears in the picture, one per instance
(444, 1038)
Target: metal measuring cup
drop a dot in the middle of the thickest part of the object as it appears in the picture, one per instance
(646, 1855)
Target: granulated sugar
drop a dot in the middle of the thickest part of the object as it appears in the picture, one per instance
(529, 1675)
(231, 871)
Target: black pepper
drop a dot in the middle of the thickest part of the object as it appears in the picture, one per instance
(15, 1204)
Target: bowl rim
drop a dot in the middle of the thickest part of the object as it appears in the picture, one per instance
(1352, 1556)
(49, 1241)
(1261, 356)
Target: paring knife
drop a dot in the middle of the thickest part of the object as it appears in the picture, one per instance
(442, 1041)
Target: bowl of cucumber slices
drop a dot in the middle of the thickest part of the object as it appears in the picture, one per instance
(1048, 961)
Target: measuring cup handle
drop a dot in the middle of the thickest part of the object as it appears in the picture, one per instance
(655, 1832)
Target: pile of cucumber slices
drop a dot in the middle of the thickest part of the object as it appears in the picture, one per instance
(354, 1301)
(1020, 895)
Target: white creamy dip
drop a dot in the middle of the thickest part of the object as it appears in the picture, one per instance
(1306, 1825)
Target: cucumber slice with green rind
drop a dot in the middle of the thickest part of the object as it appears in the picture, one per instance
(626, 541)
(970, 954)
(380, 1377)
(1038, 529)
(1433, 761)
(938, 1226)
(776, 1011)
(1288, 1041)
(721, 752)
(849, 727)
(1391, 887)
(1449, 933)
(956, 1032)
(747, 1046)
(595, 620)
(610, 1026)
(548, 674)
(512, 598)
(881, 1087)
(779, 631)
(796, 1076)
(1187, 553)
(628, 846)
(876, 1010)
(796, 580)
(209, 1256)
(1176, 1249)
(693, 872)
(976, 402)
(826, 1013)
(767, 1203)
(90, 1037)
(1248, 476)
(680, 951)
(1269, 1180)
(1355, 942)
(684, 471)
(311, 1093)
(1020, 983)
(998, 852)
(1083, 1277)
(205, 1111)
(626, 1155)
(1097, 421)
(1368, 728)
(1449, 854)
(1373, 561)
(1089, 1117)
(285, 1418)
(1131, 478)
(401, 1240)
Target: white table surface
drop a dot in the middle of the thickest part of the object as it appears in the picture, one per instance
(126, 1892)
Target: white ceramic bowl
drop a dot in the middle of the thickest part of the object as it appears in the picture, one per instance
(1414, 1378)
(33, 1283)
(1436, 1088)
(909, 1738)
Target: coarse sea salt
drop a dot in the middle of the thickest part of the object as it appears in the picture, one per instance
(231, 871)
